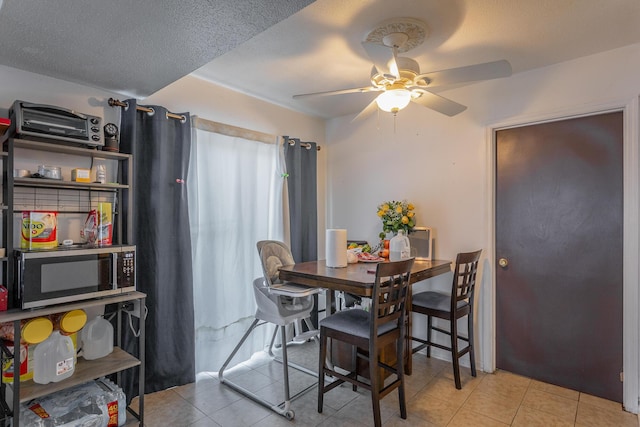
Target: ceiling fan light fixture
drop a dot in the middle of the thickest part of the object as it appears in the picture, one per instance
(393, 100)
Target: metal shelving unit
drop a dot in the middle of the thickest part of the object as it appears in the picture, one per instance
(67, 198)
(85, 370)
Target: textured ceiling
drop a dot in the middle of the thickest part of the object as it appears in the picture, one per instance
(278, 48)
(318, 48)
(131, 47)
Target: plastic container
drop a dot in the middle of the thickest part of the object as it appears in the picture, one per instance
(70, 323)
(399, 247)
(39, 230)
(97, 338)
(26, 363)
(50, 172)
(32, 331)
(54, 359)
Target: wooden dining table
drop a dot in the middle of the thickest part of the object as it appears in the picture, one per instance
(358, 279)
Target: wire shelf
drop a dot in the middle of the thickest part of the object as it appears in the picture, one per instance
(59, 200)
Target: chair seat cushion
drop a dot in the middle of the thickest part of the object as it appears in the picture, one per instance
(434, 301)
(354, 322)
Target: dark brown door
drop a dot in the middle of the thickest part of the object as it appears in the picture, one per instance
(559, 229)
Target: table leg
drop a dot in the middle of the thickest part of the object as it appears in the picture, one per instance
(408, 355)
(330, 302)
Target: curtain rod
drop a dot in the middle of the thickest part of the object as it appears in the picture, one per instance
(211, 126)
(118, 103)
(229, 130)
(292, 142)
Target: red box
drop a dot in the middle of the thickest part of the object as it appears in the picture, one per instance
(4, 125)
(3, 298)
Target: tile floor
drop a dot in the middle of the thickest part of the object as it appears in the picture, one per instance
(500, 399)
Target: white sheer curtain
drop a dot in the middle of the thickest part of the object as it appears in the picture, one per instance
(235, 200)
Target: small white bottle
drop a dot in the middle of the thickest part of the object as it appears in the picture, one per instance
(399, 247)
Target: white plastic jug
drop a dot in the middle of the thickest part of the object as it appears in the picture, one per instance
(399, 247)
(97, 338)
(54, 359)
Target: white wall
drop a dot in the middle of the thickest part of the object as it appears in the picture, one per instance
(442, 164)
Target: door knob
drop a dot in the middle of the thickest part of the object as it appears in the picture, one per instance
(503, 262)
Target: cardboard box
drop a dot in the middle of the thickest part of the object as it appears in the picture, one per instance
(81, 175)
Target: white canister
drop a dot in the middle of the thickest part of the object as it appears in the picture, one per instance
(399, 247)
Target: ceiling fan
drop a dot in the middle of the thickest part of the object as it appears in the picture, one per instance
(399, 79)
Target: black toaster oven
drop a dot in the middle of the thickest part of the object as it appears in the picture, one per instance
(47, 121)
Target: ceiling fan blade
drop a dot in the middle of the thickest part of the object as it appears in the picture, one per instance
(383, 58)
(439, 103)
(338, 92)
(373, 106)
(470, 73)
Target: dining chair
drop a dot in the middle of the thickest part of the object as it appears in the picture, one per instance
(451, 307)
(368, 332)
(282, 304)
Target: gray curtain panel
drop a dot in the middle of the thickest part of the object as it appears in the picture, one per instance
(302, 168)
(301, 163)
(161, 148)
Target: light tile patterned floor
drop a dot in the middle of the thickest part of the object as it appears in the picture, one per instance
(499, 399)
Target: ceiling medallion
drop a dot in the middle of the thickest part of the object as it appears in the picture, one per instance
(415, 31)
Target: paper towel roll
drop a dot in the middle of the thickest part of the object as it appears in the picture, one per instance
(336, 245)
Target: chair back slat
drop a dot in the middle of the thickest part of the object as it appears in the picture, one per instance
(390, 293)
(464, 277)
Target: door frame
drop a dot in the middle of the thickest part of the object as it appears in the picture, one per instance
(631, 241)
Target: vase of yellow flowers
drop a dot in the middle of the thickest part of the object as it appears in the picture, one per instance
(396, 216)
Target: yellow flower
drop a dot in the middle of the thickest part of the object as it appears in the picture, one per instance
(396, 216)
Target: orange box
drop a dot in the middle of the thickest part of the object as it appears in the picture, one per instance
(81, 175)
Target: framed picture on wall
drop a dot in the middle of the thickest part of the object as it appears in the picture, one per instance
(421, 241)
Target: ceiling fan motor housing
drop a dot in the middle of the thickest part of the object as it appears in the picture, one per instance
(408, 70)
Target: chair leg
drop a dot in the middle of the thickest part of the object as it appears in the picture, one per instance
(285, 363)
(429, 336)
(273, 340)
(400, 373)
(375, 387)
(237, 347)
(321, 358)
(472, 357)
(454, 352)
(354, 364)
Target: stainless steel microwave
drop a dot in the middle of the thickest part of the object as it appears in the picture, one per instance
(55, 123)
(48, 277)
